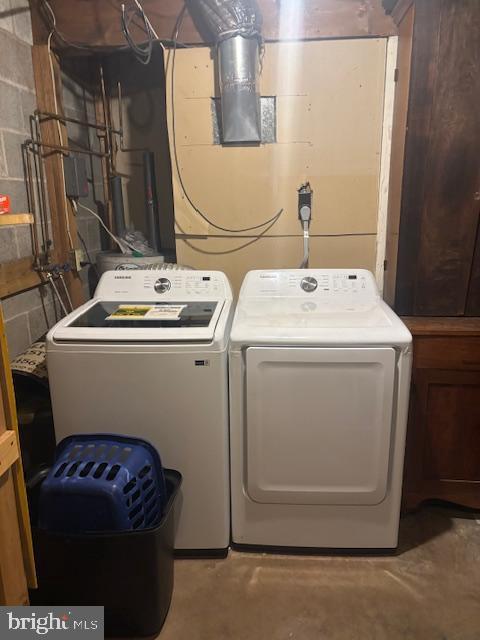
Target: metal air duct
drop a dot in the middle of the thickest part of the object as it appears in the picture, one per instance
(236, 26)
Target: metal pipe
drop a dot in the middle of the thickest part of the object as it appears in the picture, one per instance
(37, 137)
(46, 115)
(31, 202)
(120, 111)
(107, 116)
(117, 205)
(68, 151)
(36, 180)
(151, 201)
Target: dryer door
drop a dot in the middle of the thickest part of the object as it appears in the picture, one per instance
(319, 424)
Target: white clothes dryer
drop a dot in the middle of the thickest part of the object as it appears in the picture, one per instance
(319, 385)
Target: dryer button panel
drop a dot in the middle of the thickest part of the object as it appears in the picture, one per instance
(309, 284)
(314, 283)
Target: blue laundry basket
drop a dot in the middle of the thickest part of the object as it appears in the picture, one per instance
(103, 483)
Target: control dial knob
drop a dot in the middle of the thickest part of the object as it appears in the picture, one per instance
(309, 284)
(162, 285)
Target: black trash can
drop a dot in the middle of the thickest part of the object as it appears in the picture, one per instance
(129, 573)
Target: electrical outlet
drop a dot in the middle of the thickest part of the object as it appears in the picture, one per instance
(77, 256)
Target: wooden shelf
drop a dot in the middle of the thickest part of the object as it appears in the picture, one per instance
(16, 218)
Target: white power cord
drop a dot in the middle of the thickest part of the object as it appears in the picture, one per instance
(149, 24)
(62, 280)
(124, 246)
(54, 286)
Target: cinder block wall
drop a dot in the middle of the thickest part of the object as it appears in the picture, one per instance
(30, 314)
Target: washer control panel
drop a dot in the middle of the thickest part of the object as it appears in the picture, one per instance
(357, 284)
(151, 285)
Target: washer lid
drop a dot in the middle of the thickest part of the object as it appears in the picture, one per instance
(149, 306)
(140, 321)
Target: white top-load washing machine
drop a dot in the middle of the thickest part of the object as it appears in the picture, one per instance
(147, 357)
(319, 385)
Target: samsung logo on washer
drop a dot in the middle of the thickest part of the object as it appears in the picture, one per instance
(59, 622)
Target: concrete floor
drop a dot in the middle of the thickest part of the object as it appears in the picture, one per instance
(429, 591)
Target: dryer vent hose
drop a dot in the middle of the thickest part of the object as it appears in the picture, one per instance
(236, 27)
(228, 18)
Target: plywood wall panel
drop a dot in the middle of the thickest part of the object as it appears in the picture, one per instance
(330, 98)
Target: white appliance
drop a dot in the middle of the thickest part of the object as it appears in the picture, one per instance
(163, 378)
(319, 385)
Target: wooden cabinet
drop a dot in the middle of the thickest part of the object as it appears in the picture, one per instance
(433, 252)
(443, 440)
(433, 242)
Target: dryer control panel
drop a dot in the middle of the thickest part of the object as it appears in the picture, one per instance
(357, 284)
(163, 285)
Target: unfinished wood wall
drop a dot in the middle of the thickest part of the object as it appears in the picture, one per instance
(98, 23)
(330, 99)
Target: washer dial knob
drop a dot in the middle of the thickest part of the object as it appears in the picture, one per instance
(162, 285)
(309, 284)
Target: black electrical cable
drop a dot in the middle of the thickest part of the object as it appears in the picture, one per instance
(49, 14)
(85, 248)
(271, 221)
(142, 52)
(52, 22)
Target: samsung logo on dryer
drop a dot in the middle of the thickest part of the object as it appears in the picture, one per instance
(122, 277)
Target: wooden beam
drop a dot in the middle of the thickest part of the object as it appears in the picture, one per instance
(64, 226)
(400, 9)
(385, 162)
(13, 583)
(98, 23)
(16, 530)
(102, 118)
(397, 159)
(17, 276)
(8, 450)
